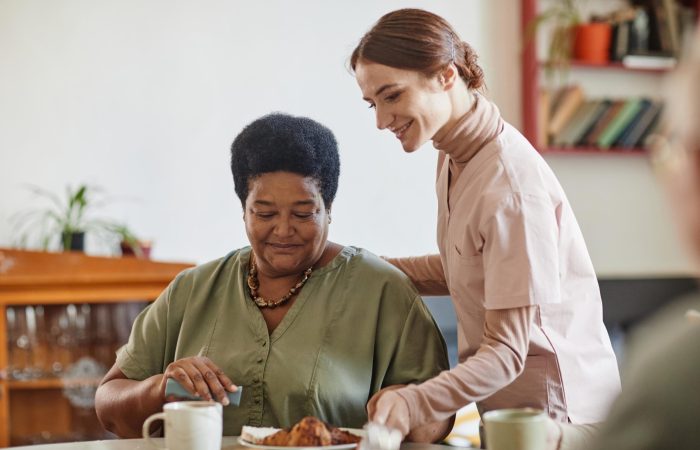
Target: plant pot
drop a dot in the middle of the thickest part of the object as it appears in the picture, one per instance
(73, 241)
(144, 249)
(592, 42)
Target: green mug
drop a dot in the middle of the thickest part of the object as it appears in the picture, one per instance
(516, 429)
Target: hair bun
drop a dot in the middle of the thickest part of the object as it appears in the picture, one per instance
(469, 68)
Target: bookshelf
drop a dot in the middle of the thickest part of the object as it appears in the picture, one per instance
(634, 79)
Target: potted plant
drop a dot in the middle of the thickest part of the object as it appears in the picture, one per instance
(66, 219)
(572, 37)
(129, 243)
(562, 16)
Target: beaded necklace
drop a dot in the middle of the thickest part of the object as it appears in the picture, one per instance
(254, 285)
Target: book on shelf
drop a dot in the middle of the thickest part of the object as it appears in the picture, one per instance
(595, 118)
(555, 97)
(573, 128)
(671, 12)
(651, 28)
(664, 28)
(590, 139)
(653, 127)
(645, 103)
(645, 121)
(571, 99)
(606, 123)
(619, 41)
(627, 112)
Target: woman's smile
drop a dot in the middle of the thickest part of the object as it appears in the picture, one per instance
(401, 131)
(279, 247)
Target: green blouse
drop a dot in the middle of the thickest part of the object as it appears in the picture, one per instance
(357, 325)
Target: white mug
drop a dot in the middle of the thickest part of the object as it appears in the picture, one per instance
(516, 429)
(191, 425)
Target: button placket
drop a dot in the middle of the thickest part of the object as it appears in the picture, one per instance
(255, 416)
(257, 379)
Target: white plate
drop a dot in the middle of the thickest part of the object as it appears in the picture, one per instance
(356, 431)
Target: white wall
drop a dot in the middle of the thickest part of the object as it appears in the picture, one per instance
(144, 98)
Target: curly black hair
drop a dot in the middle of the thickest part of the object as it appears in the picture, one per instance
(281, 142)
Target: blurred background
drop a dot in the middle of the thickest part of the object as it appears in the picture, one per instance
(140, 101)
(143, 99)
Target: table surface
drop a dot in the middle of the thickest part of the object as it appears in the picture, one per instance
(228, 443)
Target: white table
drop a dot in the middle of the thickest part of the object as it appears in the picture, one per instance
(229, 443)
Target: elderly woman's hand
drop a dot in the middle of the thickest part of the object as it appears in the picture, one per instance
(199, 376)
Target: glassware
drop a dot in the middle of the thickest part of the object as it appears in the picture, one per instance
(103, 334)
(80, 315)
(12, 356)
(42, 353)
(20, 344)
(61, 338)
(34, 368)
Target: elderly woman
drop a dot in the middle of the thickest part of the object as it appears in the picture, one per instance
(307, 326)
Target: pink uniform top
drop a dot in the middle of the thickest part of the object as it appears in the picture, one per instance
(525, 293)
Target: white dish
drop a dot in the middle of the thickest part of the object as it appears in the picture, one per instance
(356, 431)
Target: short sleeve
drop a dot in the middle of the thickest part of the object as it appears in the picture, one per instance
(144, 355)
(420, 353)
(520, 254)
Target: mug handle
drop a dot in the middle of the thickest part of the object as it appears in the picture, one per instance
(147, 424)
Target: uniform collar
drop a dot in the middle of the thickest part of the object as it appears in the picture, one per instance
(472, 131)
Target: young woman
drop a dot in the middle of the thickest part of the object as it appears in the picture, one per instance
(512, 256)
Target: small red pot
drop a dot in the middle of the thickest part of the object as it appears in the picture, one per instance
(592, 42)
(144, 246)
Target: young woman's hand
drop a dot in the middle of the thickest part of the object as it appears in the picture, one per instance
(389, 408)
(201, 377)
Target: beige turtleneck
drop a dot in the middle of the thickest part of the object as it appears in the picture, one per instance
(458, 146)
(502, 354)
(515, 265)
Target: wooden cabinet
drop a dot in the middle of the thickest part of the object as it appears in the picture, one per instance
(610, 81)
(62, 315)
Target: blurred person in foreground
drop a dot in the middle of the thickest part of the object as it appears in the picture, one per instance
(659, 407)
(309, 327)
(660, 404)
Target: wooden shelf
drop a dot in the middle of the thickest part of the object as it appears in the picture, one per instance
(60, 278)
(594, 151)
(612, 65)
(36, 406)
(51, 383)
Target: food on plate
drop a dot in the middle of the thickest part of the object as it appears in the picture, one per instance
(277, 439)
(308, 432)
(255, 435)
(339, 437)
